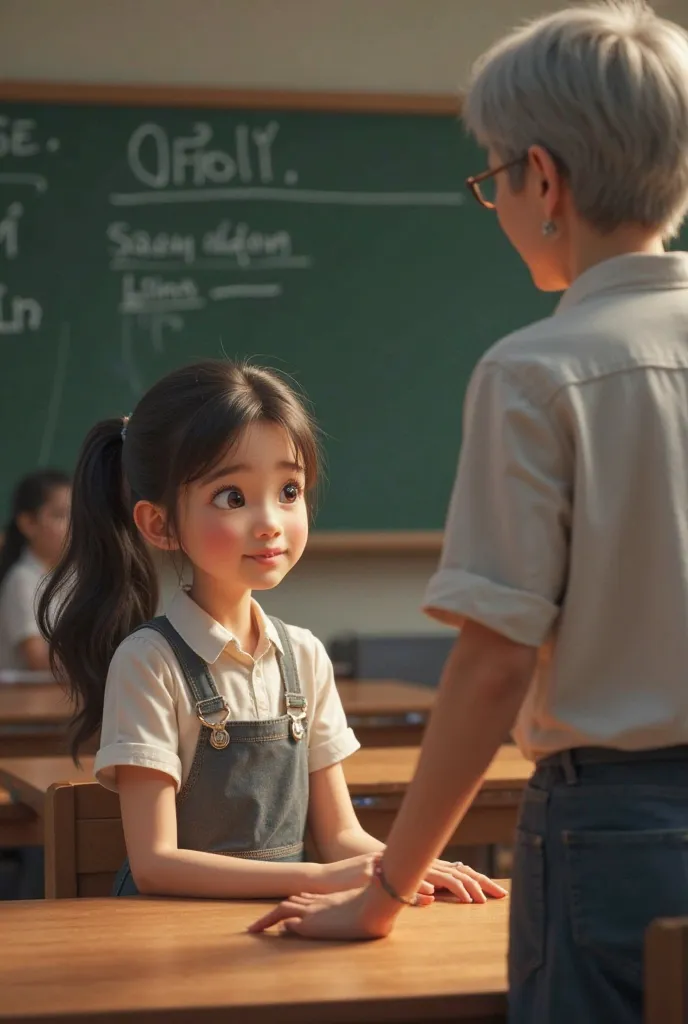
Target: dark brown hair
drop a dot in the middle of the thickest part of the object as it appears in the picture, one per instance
(105, 586)
(30, 495)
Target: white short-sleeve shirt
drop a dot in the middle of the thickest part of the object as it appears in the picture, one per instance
(18, 599)
(149, 718)
(568, 524)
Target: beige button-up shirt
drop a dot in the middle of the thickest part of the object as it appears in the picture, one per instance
(150, 720)
(568, 524)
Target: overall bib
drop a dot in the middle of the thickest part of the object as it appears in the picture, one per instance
(247, 790)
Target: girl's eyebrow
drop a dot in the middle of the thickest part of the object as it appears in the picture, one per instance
(244, 467)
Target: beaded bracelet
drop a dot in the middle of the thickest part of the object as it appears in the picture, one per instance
(379, 875)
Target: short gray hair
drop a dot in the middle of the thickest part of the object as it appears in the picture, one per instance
(605, 90)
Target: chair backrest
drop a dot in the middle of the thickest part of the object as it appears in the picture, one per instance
(84, 842)
(666, 971)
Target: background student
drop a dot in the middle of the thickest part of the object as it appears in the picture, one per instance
(34, 538)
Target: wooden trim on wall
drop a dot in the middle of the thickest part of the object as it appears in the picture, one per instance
(378, 542)
(97, 93)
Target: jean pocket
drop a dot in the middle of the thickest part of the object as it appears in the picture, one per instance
(527, 910)
(619, 881)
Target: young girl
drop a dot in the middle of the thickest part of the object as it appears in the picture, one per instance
(34, 538)
(222, 730)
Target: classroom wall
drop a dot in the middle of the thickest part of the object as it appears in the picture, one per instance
(359, 45)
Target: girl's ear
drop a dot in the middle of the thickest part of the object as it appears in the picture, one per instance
(151, 522)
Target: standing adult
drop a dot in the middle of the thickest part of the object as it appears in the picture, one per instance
(566, 550)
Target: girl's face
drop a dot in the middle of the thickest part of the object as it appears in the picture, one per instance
(46, 529)
(245, 524)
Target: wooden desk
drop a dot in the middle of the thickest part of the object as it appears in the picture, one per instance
(139, 960)
(383, 712)
(33, 720)
(377, 780)
(386, 712)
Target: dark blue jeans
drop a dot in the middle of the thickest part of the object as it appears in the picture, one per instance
(601, 850)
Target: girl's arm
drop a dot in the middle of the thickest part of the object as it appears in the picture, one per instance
(159, 867)
(332, 820)
(338, 834)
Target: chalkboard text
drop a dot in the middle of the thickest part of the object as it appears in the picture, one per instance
(18, 138)
(9, 231)
(17, 314)
(236, 241)
(154, 293)
(159, 160)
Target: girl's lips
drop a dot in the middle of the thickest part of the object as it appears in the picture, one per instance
(265, 557)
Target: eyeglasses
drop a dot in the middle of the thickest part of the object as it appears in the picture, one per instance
(484, 186)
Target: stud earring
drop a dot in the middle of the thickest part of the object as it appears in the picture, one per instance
(549, 229)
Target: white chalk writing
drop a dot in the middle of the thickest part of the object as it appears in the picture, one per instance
(9, 231)
(17, 137)
(155, 294)
(240, 241)
(159, 159)
(18, 314)
(128, 242)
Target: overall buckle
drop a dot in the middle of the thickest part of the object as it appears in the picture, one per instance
(219, 737)
(297, 709)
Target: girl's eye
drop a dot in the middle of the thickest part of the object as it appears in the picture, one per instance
(229, 497)
(290, 493)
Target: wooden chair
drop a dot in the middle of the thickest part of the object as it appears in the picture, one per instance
(84, 842)
(666, 971)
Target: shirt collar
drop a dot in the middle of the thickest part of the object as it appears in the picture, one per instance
(207, 637)
(635, 271)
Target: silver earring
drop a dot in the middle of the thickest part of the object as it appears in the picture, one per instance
(549, 229)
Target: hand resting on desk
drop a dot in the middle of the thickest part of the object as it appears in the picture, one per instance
(343, 915)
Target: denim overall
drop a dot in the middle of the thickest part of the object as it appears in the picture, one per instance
(247, 791)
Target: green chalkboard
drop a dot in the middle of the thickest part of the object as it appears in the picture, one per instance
(340, 247)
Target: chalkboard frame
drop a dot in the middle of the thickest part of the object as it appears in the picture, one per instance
(321, 542)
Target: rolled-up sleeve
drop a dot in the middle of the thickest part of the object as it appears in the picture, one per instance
(505, 557)
(139, 715)
(330, 740)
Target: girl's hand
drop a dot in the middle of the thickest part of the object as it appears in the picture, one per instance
(356, 872)
(462, 881)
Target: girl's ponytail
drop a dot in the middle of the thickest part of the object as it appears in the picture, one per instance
(105, 584)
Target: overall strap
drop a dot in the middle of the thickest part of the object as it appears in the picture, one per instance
(199, 682)
(297, 706)
(290, 673)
